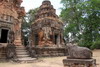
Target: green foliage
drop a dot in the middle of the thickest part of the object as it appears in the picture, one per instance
(82, 20)
(27, 21)
(30, 16)
(96, 45)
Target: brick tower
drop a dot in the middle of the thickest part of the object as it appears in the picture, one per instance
(11, 14)
(47, 29)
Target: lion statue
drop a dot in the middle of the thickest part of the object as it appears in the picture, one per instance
(76, 52)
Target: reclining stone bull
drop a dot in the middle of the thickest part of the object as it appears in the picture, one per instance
(76, 52)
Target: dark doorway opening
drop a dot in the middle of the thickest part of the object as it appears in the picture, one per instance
(4, 34)
(56, 36)
(36, 39)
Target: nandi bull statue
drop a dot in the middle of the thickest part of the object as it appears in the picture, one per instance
(76, 52)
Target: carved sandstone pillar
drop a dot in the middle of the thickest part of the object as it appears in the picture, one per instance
(53, 38)
(58, 41)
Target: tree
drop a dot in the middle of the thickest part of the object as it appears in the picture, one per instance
(27, 21)
(72, 16)
(82, 19)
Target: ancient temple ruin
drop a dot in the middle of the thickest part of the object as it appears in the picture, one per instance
(11, 14)
(47, 29)
(46, 36)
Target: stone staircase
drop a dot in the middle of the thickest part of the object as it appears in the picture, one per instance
(3, 55)
(2, 52)
(23, 55)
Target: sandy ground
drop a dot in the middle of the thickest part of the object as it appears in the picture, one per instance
(96, 55)
(47, 62)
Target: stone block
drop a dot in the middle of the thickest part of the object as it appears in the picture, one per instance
(79, 62)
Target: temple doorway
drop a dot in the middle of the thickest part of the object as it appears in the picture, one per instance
(3, 35)
(36, 39)
(56, 36)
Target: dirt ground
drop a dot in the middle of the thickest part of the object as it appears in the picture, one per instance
(47, 62)
(96, 55)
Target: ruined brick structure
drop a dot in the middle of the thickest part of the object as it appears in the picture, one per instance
(47, 29)
(11, 14)
(46, 36)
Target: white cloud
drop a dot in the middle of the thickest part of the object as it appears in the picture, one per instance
(31, 4)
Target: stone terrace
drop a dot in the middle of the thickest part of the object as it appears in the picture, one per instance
(48, 62)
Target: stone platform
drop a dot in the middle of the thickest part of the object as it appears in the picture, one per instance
(79, 62)
(50, 52)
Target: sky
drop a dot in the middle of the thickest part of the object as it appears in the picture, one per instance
(31, 4)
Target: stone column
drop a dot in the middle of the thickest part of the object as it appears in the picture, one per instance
(58, 40)
(34, 41)
(18, 40)
(53, 38)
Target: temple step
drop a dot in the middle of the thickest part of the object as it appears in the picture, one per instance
(2, 57)
(2, 54)
(23, 55)
(26, 59)
(21, 50)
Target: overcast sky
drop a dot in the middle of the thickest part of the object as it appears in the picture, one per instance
(31, 4)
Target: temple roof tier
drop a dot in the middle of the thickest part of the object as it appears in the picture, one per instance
(46, 12)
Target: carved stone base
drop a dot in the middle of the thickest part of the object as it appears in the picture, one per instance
(50, 52)
(79, 62)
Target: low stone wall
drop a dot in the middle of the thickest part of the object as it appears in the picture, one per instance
(49, 52)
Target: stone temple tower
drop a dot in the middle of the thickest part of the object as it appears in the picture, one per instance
(11, 14)
(47, 30)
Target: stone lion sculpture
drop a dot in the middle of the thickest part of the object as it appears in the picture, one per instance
(10, 51)
(76, 52)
